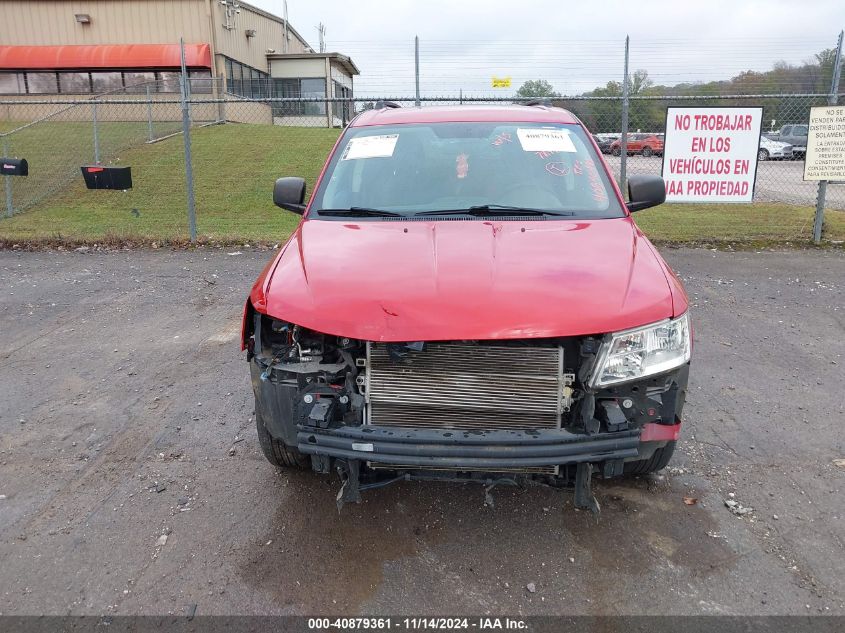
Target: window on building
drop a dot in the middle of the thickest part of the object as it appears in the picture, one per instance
(256, 88)
(106, 81)
(75, 83)
(12, 84)
(342, 109)
(168, 81)
(138, 81)
(314, 88)
(246, 81)
(236, 85)
(200, 82)
(42, 83)
(300, 88)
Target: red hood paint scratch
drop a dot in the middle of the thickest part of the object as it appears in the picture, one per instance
(452, 280)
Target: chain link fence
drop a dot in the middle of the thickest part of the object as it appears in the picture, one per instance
(242, 144)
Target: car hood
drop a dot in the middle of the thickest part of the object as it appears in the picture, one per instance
(466, 279)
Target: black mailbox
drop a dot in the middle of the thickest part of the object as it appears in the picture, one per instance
(14, 167)
(99, 177)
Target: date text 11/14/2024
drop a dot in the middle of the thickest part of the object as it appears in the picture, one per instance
(416, 624)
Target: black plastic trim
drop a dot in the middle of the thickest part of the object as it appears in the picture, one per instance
(466, 449)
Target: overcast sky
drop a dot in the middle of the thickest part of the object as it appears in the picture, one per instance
(574, 45)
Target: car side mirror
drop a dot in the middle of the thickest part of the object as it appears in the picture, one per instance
(645, 192)
(289, 193)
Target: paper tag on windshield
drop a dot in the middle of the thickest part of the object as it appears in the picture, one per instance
(545, 140)
(370, 147)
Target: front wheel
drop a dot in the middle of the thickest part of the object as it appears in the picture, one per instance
(762, 155)
(277, 452)
(658, 461)
(616, 151)
(647, 151)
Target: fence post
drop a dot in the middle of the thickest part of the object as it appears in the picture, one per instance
(417, 68)
(186, 135)
(10, 209)
(832, 99)
(96, 133)
(623, 140)
(149, 114)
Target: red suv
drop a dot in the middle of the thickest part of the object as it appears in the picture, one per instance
(645, 144)
(468, 298)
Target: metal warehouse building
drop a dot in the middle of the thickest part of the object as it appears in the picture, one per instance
(73, 48)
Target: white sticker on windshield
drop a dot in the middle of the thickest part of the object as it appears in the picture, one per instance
(545, 140)
(370, 147)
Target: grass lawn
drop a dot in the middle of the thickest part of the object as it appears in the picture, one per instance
(235, 166)
(760, 224)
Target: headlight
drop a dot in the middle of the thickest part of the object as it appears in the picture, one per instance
(643, 351)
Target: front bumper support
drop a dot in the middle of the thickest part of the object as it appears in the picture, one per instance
(466, 450)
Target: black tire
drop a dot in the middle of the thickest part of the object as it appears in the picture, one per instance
(762, 155)
(616, 151)
(647, 151)
(278, 453)
(658, 461)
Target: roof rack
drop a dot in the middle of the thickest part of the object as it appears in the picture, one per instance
(381, 104)
(544, 101)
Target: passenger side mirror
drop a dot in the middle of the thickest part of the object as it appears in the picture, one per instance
(289, 193)
(645, 192)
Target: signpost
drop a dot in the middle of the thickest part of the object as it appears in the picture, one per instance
(710, 154)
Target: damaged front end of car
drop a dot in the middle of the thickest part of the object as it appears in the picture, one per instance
(558, 410)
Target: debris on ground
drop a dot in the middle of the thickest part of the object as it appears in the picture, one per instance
(690, 501)
(839, 463)
(737, 508)
(162, 540)
(531, 587)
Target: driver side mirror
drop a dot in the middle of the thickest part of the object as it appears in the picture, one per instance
(645, 192)
(289, 193)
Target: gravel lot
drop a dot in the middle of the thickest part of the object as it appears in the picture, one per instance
(126, 417)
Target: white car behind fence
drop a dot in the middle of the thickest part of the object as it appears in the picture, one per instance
(773, 150)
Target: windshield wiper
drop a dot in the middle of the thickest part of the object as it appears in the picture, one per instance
(360, 212)
(496, 209)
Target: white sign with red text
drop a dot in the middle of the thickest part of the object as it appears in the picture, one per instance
(710, 154)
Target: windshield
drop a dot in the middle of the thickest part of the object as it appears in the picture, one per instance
(419, 168)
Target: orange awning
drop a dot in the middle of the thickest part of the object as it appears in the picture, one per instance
(103, 56)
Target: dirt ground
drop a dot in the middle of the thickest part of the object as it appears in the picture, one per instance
(131, 481)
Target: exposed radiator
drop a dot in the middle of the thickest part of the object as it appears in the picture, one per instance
(461, 386)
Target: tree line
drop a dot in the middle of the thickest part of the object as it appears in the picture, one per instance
(785, 80)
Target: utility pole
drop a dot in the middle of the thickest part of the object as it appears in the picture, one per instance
(285, 12)
(818, 223)
(321, 30)
(623, 141)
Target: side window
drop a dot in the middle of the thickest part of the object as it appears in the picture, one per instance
(800, 130)
(42, 83)
(787, 130)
